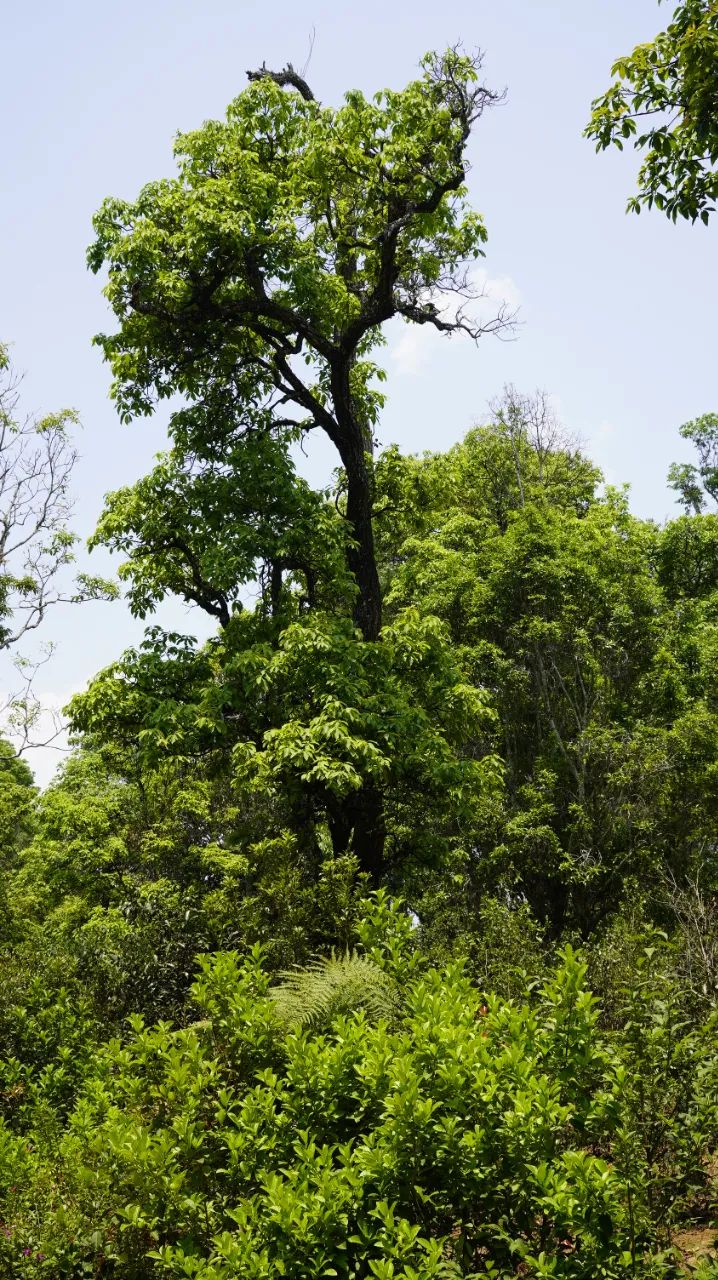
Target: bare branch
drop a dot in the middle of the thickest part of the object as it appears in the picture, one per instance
(288, 77)
(503, 323)
(27, 723)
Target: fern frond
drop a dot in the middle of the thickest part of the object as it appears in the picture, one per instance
(314, 995)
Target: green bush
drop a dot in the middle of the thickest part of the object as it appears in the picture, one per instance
(468, 1137)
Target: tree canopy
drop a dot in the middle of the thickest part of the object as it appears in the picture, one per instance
(257, 282)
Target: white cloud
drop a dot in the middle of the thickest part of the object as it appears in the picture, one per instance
(419, 343)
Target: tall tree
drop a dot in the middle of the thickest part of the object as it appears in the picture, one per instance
(664, 96)
(263, 273)
(256, 285)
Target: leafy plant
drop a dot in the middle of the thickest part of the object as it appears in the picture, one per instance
(314, 995)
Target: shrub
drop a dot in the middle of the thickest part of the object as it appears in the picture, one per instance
(467, 1137)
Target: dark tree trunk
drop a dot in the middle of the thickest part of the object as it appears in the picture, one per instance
(356, 824)
(370, 831)
(362, 557)
(354, 442)
(359, 818)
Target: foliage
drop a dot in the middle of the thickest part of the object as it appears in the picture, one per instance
(473, 679)
(17, 805)
(313, 996)
(208, 529)
(304, 723)
(255, 286)
(571, 614)
(669, 84)
(130, 875)
(695, 484)
(291, 230)
(535, 722)
(469, 1138)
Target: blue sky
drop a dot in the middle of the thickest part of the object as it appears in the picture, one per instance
(617, 313)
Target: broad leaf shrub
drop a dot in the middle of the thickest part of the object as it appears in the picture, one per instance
(48, 1033)
(464, 1136)
(669, 1075)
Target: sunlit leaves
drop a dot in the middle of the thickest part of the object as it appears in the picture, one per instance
(663, 99)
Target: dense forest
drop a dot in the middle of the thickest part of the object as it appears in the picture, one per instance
(377, 935)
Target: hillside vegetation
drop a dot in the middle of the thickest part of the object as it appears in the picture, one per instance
(376, 936)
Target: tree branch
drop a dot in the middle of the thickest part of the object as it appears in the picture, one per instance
(288, 77)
